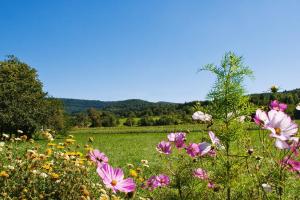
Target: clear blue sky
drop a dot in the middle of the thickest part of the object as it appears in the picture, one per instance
(115, 50)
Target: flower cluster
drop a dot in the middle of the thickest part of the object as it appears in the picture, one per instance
(113, 178)
(55, 170)
(160, 180)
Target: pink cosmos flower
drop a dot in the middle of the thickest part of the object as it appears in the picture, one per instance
(201, 174)
(293, 165)
(98, 157)
(163, 180)
(261, 117)
(171, 137)
(164, 147)
(178, 138)
(157, 181)
(282, 128)
(193, 150)
(276, 105)
(280, 124)
(114, 179)
(205, 147)
(211, 185)
(295, 145)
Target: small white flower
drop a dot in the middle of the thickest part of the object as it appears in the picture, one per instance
(5, 135)
(18, 139)
(20, 131)
(35, 171)
(2, 144)
(242, 118)
(44, 175)
(144, 162)
(58, 181)
(10, 167)
(266, 187)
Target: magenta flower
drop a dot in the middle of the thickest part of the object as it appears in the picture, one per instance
(276, 105)
(211, 185)
(114, 179)
(292, 165)
(201, 174)
(157, 181)
(295, 145)
(178, 138)
(98, 157)
(261, 117)
(205, 147)
(163, 180)
(164, 147)
(193, 150)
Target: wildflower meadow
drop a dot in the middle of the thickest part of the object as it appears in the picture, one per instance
(236, 150)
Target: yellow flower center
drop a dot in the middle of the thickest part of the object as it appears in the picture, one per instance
(277, 131)
(113, 183)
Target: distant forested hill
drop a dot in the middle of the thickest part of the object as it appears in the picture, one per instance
(137, 107)
(124, 108)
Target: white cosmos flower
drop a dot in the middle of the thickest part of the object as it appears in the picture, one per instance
(201, 116)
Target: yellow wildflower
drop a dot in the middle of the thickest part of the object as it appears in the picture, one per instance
(4, 174)
(70, 141)
(48, 152)
(51, 144)
(60, 147)
(47, 166)
(133, 173)
(88, 149)
(114, 197)
(141, 179)
(104, 197)
(54, 176)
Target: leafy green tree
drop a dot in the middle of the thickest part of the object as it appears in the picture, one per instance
(146, 121)
(54, 115)
(109, 119)
(22, 100)
(130, 121)
(81, 120)
(95, 117)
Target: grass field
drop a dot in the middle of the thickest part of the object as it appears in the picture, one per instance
(131, 144)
